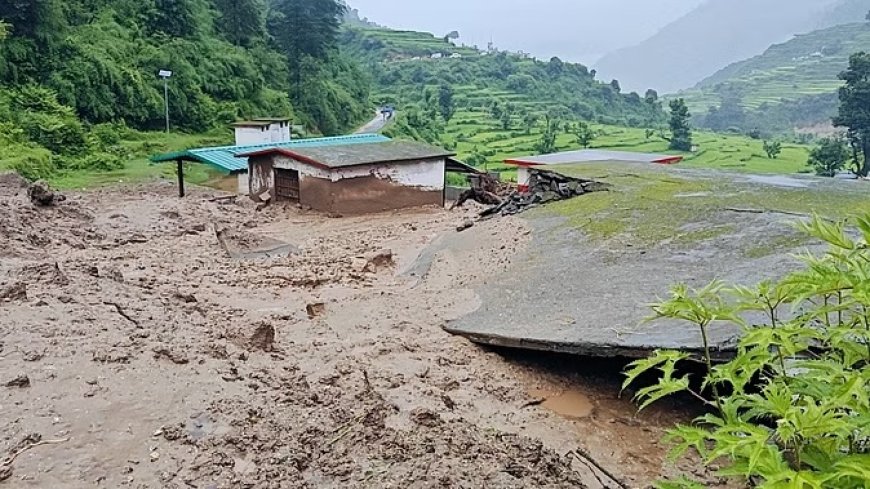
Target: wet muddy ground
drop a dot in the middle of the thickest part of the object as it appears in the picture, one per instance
(135, 351)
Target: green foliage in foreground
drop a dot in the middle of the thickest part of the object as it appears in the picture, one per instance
(792, 410)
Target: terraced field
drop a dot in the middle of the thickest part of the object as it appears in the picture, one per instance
(475, 133)
(804, 66)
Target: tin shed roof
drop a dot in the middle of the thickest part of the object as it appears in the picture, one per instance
(346, 155)
(226, 157)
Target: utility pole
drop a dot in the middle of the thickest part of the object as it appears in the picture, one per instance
(165, 74)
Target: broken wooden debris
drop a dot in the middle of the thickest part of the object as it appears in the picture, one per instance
(544, 187)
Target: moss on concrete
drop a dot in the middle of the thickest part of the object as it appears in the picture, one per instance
(656, 205)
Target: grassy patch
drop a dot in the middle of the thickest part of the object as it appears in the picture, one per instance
(139, 146)
(652, 205)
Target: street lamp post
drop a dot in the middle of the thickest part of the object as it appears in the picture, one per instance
(165, 74)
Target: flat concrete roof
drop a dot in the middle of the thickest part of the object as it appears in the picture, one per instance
(595, 263)
(592, 155)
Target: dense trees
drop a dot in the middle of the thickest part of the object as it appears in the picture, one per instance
(241, 21)
(101, 57)
(176, 18)
(681, 131)
(74, 71)
(854, 113)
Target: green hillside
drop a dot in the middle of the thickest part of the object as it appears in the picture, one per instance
(790, 84)
(480, 139)
(79, 91)
(405, 73)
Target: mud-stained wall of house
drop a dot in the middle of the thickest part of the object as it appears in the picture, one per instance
(363, 195)
(261, 178)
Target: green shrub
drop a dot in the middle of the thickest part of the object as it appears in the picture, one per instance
(792, 410)
(32, 164)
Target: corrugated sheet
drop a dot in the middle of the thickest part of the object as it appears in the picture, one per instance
(345, 155)
(224, 157)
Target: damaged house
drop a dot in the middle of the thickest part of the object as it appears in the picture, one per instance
(353, 178)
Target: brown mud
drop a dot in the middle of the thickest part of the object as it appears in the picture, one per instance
(136, 352)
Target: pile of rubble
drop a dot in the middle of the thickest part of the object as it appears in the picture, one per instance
(544, 186)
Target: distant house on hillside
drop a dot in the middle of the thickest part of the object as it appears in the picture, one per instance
(355, 178)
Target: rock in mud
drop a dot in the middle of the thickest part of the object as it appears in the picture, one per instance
(174, 356)
(263, 338)
(316, 309)
(467, 224)
(22, 381)
(14, 292)
(373, 262)
(42, 195)
(425, 417)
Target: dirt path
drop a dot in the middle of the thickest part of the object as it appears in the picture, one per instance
(153, 359)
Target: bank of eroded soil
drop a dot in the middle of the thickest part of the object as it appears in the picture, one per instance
(153, 359)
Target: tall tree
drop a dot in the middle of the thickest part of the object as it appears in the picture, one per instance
(681, 131)
(854, 111)
(507, 114)
(241, 21)
(305, 29)
(584, 134)
(529, 121)
(31, 18)
(445, 102)
(547, 143)
(176, 18)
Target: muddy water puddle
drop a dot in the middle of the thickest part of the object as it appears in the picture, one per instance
(569, 404)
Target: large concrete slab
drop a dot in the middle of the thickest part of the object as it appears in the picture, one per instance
(596, 263)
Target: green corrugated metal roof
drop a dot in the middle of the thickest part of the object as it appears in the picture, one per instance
(224, 157)
(344, 155)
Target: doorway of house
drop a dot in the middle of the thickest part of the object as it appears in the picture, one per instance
(286, 184)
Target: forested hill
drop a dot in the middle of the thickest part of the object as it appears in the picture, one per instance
(793, 84)
(419, 70)
(68, 67)
(230, 58)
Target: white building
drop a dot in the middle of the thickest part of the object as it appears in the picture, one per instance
(262, 131)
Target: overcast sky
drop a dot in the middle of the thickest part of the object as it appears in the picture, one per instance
(575, 30)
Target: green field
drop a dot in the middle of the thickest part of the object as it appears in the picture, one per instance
(473, 132)
(140, 146)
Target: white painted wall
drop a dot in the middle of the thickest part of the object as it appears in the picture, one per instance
(243, 184)
(523, 177)
(276, 132)
(426, 175)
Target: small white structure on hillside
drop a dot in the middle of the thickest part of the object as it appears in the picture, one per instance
(262, 131)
